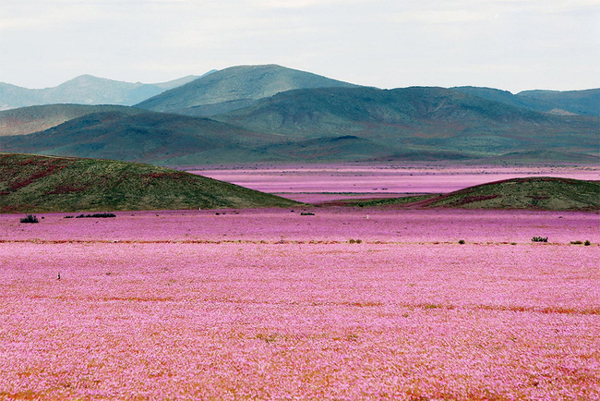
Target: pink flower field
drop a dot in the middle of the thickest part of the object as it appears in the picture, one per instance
(345, 304)
(382, 180)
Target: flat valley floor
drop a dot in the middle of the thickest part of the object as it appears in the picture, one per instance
(279, 304)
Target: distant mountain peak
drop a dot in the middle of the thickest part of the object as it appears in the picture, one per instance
(236, 86)
(85, 89)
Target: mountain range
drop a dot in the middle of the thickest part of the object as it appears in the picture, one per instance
(85, 89)
(273, 113)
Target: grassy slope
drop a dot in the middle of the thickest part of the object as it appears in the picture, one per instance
(538, 193)
(546, 193)
(32, 183)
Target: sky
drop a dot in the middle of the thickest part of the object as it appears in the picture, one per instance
(507, 44)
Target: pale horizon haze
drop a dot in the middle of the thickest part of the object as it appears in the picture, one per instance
(505, 44)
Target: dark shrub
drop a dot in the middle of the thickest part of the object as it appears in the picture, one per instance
(539, 239)
(30, 219)
(96, 215)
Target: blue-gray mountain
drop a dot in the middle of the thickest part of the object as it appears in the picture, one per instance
(272, 113)
(582, 102)
(85, 89)
(234, 88)
(327, 124)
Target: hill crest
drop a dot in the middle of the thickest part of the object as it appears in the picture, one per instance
(34, 183)
(535, 193)
(243, 84)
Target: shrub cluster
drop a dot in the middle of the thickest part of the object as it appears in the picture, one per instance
(586, 243)
(30, 219)
(539, 239)
(97, 215)
(307, 214)
(355, 241)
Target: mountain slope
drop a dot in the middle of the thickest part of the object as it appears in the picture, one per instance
(419, 118)
(27, 120)
(85, 89)
(506, 97)
(33, 184)
(235, 87)
(583, 102)
(157, 138)
(327, 125)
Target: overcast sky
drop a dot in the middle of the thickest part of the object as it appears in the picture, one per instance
(507, 44)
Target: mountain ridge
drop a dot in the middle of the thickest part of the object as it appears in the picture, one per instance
(581, 102)
(239, 83)
(85, 89)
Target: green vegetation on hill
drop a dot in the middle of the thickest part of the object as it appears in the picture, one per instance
(148, 137)
(546, 193)
(27, 120)
(584, 102)
(534, 193)
(414, 120)
(33, 184)
(323, 121)
(235, 87)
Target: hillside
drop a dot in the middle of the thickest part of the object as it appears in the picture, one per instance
(584, 102)
(157, 138)
(420, 119)
(539, 193)
(324, 125)
(27, 120)
(85, 89)
(34, 184)
(506, 97)
(533, 193)
(235, 87)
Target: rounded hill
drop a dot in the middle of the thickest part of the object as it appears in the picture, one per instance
(33, 184)
(536, 193)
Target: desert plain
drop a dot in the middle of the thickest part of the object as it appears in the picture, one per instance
(303, 303)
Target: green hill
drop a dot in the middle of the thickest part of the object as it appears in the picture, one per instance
(420, 119)
(27, 120)
(33, 184)
(537, 193)
(545, 193)
(233, 88)
(582, 102)
(327, 125)
(148, 137)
